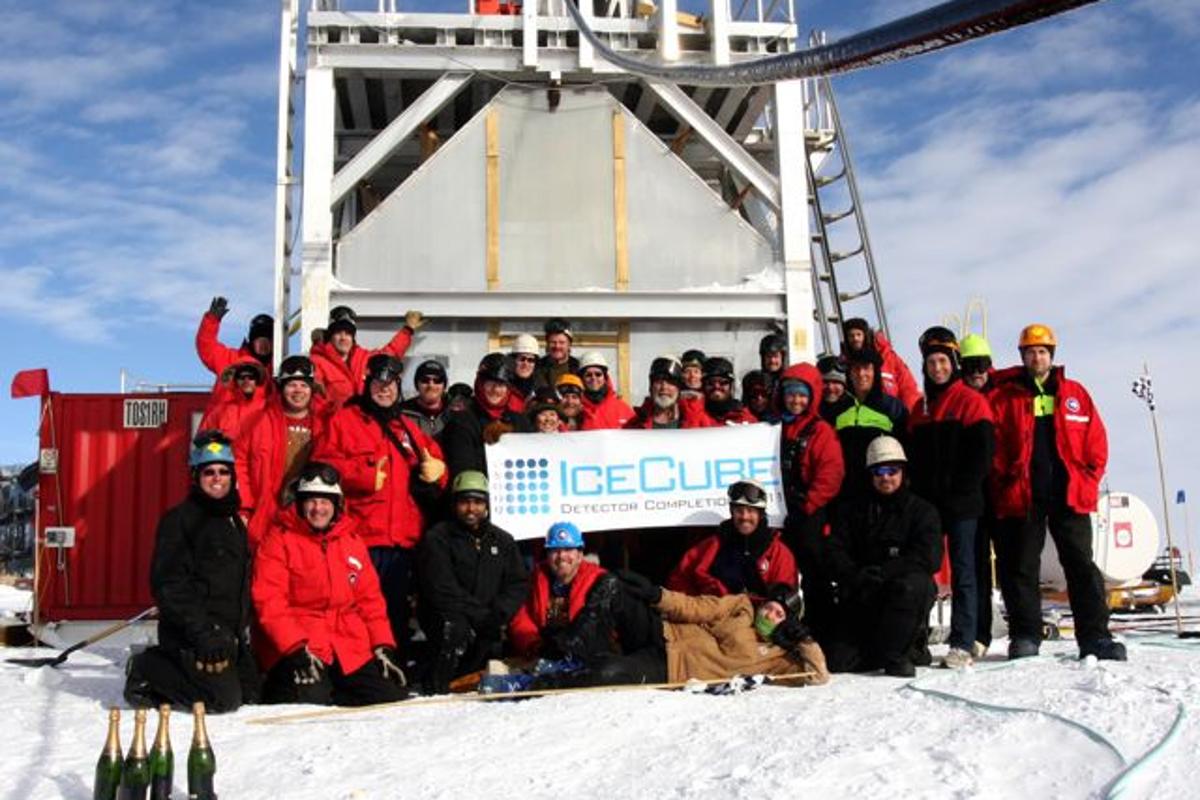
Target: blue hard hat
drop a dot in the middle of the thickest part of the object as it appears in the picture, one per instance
(564, 536)
(210, 447)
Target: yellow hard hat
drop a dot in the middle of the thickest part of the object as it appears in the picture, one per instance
(1037, 335)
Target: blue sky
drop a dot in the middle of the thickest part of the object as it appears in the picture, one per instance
(1052, 171)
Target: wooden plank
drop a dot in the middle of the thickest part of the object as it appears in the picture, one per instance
(624, 376)
(620, 202)
(492, 128)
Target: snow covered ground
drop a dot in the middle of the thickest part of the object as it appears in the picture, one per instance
(860, 736)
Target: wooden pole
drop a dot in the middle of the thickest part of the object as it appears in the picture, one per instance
(326, 713)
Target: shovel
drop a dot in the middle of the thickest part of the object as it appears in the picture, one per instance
(54, 661)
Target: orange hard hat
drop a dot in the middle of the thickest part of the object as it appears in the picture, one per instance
(1037, 335)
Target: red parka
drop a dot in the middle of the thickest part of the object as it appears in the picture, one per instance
(1079, 436)
(691, 414)
(525, 629)
(344, 378)
(218, 357)
(320, 590)
(228, 408)
(897, 379)
(611, 412)
(355, 444)
(692, 575)
(810, 452)
(260, 455)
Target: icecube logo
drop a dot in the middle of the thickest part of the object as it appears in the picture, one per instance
(526, 486)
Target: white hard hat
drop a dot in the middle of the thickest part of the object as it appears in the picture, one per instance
(525, 344)
(885, 450)
(592, 359)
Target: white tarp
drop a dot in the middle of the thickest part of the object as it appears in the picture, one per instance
(618, 479)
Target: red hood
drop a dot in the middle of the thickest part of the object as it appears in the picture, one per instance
(495, 413)
(808, 373)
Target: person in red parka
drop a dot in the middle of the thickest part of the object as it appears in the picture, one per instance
(240, 394)
(276, 443)
(392, 471)
(810, 457)
(257, 346)
(603, 408)
(1051, 451)
(743, 556)
(667, 407)
(951, 439)
(558, 590)
(319, 606)
(895, 376)
(719, 402)
(341, 363)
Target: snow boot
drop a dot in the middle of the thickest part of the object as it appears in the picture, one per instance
(900, 668)
(957, 658)
(1022, 648)
(1103, 649)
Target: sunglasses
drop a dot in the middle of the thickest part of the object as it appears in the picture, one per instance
(570, 391)
(525, 359)
(718, 382)
(885, 470)
(215, 472)
(430, 379)
(246, 376)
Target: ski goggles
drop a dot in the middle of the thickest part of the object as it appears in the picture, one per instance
(885, 470)
(747, 494)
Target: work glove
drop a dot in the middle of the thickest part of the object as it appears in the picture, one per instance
(381, 473)
(494, 430)
(306, 668)
(389, 665)
(414, 320)
(219, 307)
(789, 633)
(432, 468)
(640, 587)
(214, 650)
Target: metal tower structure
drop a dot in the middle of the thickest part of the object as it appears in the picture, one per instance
(487, 168)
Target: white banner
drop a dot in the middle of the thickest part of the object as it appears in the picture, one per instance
(618, 479)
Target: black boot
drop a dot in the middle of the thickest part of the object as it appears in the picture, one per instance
(1103, 649)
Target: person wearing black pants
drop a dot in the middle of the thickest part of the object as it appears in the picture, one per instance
(1051, 451)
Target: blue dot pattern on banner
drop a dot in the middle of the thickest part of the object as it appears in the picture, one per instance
(527, 486)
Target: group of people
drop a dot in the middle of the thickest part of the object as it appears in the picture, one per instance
(336, 539)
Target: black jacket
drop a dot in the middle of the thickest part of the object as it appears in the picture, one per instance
(462, 438)
(477, 577)
(901, 534)
(200, 571)
(950, 447)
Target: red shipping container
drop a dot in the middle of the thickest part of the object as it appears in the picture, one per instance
(110, 465)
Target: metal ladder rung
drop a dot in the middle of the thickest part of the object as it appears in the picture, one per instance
(843, 256)
(824, 181)
(847, 296)
(832, 218)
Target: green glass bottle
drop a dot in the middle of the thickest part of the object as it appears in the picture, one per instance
(135, 777)
(162, 759)
(108, 767)
(202, 764)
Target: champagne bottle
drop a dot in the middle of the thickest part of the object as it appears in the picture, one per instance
(108, 767)
(135, 778)
(162, 760)
(202, 764)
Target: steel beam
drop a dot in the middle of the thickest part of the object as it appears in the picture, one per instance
(795, 246)
(541, 305)
(317, 226)
(724, 145)
(371, 157)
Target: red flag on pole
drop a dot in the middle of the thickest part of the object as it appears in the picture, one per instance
(30, 383)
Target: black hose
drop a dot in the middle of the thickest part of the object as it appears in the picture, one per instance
(944, 25)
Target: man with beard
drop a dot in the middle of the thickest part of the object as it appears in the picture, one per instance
(719, 401)
(558, 360)
(758, 389)
(773, 359)
(199, 576)
(895, 378)
(744, 556)
(570, 392)
(864, 413)
(392, 474)
(666, 407)
(472, 582)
